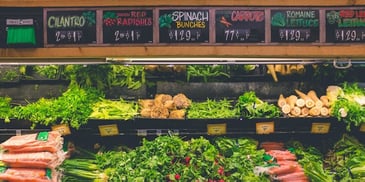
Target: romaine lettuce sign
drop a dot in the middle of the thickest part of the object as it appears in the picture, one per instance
(293, 26)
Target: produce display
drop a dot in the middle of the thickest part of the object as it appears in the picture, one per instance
(347, 103)
(212, 109)
(164, 106)
(304, 105)
(250, 106)
(284, 69)
(206, 72)
(347, 159)
(32, 157)
(73, 107)
(114, 109)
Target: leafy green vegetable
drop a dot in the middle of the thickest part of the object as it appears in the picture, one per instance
(347, 155)
(349, 105)
(119, 109)
(312, 162)
(132, 76)
(5, 109)
(87, 76)
(250, 106)
(48, 71)
(206, 71)
(211, 109)
(73, 107)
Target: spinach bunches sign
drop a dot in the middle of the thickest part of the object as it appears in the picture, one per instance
(295, 26)
(127, 26)
(183, 26)
(71, 27)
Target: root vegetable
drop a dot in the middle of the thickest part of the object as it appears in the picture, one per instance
(324, 111)
(325, 100)
(291, 100)
(288, 71)
(300, 69)
(271, 69)
(300, 102)
(293, 68)
(305, 111)
(308, 101)
(314, 111)
(286, 109)
(281, 100)
(278, 68)
(313, 95)
(295, 111)
(283, 70)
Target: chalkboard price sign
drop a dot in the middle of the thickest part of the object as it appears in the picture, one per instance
(295, 26)
(345, 25)
(235, 26)
(71, 27)
(127, 26)
(184, 26)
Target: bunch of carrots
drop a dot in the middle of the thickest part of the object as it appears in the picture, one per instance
(303, 105)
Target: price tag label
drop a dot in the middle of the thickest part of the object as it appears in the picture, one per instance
(362, 127)
(64, 129)
(217, 129)
(141, 132)
(108, 130)
(265, 127)
(320, 128)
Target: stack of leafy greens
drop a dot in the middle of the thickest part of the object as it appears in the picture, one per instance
(250, 106)
(6, 111)
(105, 76)
(312, 162)
(73, 107)
(211, 109)
(348, 104)
(169, 158)
(206, 72)
(114, 109)
(48, 71)
(347, 159)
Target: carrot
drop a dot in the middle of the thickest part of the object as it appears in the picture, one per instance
(308, 101)
(314, 111)
(281, 100)
(288, 71)
(295, 111)
(282, 169)
(283, 70)
(324, 100)
(313, 95)
(271, 69)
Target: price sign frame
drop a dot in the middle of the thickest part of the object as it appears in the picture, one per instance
(64, 129)
(114, 130)
(122, 29)
(166, 29)
(217, 129)
(348, 34)
(320, 128)
(47, 43)
(269, 127)
(289, 28)
(245, 21)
